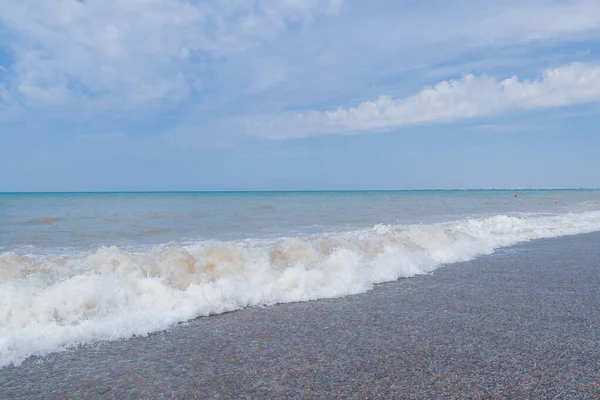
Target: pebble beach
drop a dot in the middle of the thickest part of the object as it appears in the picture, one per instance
(521, 323)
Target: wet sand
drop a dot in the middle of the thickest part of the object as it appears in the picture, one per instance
(522, 323)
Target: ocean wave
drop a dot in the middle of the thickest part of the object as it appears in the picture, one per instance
(51, 302)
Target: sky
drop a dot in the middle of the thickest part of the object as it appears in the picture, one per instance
(111, 95)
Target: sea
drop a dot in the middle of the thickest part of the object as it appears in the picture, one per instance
(76, 268)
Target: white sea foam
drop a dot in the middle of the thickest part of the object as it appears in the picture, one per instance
(48, 303)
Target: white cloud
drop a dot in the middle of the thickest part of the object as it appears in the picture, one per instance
(10, 110)
(510, 20)
(124, 53)
(393, 47)
(5, 96)
(468, 97)
(231, 57)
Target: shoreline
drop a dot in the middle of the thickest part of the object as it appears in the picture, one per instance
(523, 322)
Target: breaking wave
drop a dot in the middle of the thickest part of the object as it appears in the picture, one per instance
(51, 302)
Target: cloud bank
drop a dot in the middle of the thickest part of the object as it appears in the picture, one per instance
(129, 53)
(217, 67)
(452, 100)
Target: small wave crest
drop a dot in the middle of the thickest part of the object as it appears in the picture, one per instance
(48, 303)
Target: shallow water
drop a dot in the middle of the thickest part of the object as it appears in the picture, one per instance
(84, 220)
(81, 267)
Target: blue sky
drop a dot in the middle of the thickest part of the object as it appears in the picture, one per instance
(298, 94)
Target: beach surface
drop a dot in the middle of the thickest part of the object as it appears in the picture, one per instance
(521, 323)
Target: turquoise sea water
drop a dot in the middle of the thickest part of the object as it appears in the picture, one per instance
(88, 220)
(81, 267)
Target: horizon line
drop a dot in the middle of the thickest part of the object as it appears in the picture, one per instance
(293, 190)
